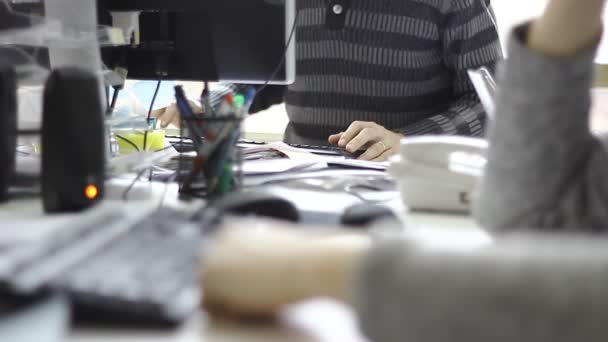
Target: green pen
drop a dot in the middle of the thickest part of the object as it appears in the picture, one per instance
(225, 180)
(239, 102)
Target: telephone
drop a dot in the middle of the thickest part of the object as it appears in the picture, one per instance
(439, 173)
(485, 87)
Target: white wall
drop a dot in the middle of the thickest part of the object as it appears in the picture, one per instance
(512, 12)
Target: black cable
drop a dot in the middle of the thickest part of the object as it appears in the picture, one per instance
(150, 113)
(177, 137)
(282, 62)
(164, 148)
(107, 90)
(137, 177)
(127, 141)
(114, 99)
(128, 189)
(205, 100)
(162, 199)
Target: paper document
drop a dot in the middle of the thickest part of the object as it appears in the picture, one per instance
(299, 154)
(324, 173)
(267, 167)
(359, 164)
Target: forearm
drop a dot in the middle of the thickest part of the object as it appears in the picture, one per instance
(465, 116)
(332, 265)
(521, 292)
(576, 23)
(539, 140)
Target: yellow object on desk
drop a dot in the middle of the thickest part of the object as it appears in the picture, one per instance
(130, 141)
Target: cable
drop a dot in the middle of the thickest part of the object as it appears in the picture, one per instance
(162, 198)
(114, 98)
(128, 189)
(127, 141)
(150, 113)
(282, 62)
(164, 148)
(107, 90)
(206, 101)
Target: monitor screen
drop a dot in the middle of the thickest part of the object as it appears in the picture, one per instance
(240, 41)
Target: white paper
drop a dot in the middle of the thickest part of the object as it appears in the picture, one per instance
(295, 153)
(264, 179)
(274, 166)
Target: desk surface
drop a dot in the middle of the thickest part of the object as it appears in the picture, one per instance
(317, 320)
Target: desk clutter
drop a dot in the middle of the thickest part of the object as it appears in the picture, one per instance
(214, 134)
(125, 260)
(72, 134)
(128, 264)
(116, 265)
(131, 264)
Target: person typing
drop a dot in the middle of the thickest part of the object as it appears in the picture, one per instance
(369, 73)
(545, 171)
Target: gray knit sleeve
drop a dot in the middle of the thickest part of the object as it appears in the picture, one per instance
(529, 290)
(545, 169)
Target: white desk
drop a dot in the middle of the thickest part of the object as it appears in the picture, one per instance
(313, 321)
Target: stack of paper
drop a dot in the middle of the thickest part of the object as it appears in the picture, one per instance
(297, 154)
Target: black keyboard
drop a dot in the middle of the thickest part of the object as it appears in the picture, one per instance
(117, 269)
(316, 149)
(185, 145)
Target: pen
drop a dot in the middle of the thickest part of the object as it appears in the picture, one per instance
(239, 102)
(184, 109)
(206, 101)
(217, 176)
(225, 107)
(249, 97)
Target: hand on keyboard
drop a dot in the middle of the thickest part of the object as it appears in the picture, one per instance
(377, 142)
(316, 149)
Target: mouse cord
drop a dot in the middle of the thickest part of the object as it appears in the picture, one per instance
(350, 189)
(161, 203)
(125, 194)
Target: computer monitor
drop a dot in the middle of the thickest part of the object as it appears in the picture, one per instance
(239, 41)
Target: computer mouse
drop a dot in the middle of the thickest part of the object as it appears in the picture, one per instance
(257, 203)
(364, 214)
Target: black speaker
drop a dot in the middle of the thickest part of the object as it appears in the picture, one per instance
(8, 128)
(73, 153)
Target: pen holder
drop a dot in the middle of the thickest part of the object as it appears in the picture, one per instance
(215, 168)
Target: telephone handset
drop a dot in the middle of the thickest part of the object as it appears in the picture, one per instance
(439, 173)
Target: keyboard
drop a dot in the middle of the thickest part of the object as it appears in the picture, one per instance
(186, 145)
(116, 268)
(316, 149)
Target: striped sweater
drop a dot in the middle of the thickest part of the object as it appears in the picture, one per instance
(400, 63)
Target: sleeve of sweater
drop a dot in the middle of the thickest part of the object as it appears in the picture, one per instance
(526, 290)
(545, 169)
(470, 40)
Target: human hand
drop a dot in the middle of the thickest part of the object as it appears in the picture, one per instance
(379, 142)
(170, 115)
(550, 36)
(253, 272)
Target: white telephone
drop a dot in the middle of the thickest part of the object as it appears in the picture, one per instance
(439, 173)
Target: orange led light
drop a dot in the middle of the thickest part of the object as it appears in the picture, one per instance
(91, 192)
